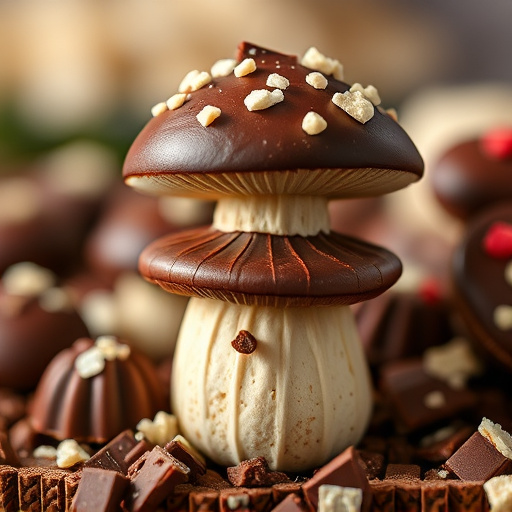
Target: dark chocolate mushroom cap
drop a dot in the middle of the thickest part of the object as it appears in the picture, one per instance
(263, 269)
(267, 151)
(483, 284)
(471, 176)
(95, 409)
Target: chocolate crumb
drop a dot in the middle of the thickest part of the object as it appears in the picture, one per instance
(245, 342)
(255, 473)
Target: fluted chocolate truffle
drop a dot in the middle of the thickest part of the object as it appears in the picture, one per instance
(93, 390)
(267, 151)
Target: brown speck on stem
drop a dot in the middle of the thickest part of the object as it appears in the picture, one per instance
(245, 342)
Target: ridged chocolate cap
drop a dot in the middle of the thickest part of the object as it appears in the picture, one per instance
(175, 154)
(95, 409)
(264, 269)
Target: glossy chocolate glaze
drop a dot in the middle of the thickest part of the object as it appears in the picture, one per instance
(240, 141)
(256, 268)
(96, 409)
(466, 179)
(480, 285)
(30, 337)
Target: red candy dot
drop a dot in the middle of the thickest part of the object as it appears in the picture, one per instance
(498, 143)
(498, 240)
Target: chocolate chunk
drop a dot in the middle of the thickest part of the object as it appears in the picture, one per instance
(113, 455)
(136, 452)
(466, 496)
(434, 497)
(419, 399)
(101, 490)
(281, 491)
(53, 490)
(478, 460)
(29, 489)
(245, 342)
(184, 453)
(373, 462)
(292, 503)
(345, 470)
(203, 501)
(254, 473)
(153, 477)
(9, 500)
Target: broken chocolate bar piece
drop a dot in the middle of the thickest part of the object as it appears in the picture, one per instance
(153, 477)
(112, 455)
(255, 473)
(181, 450)
(345, 470)
(101, 490)
(478, 460)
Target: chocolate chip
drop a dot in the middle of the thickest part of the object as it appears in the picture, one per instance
(245, 343)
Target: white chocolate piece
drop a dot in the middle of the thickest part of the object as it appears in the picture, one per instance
(319, 62)
(434, 400)
(261, 99)
(69, 453)
(223, 67)
(369, 92)
(277, 81)
(208, 114)
(27, 279)
(313, 123)
(317, 80)
(334, 498)
(499, 493)
(176, 100)
(158, 109)
(245, 67)
(90, 363)
(45, 451)
(194, 80)
(277, 215)
(503, 317)
(355, 105)
(499, 438)
(162, 429)
(299, 399)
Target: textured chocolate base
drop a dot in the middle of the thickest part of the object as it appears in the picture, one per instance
(270, 270)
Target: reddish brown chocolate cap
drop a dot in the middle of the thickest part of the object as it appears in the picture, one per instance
(175, 154)
(256, 268)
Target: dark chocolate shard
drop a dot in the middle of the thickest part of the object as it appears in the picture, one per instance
(185, 454)
(113, 455)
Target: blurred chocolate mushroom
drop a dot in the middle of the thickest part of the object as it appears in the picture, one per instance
(272, 142)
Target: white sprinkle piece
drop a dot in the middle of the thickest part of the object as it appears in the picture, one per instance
(158, 109)
(245, 67)
(434, 400)
(508, 273)
(261, 99)
(223, 67)
(499, 438)
(334, 498)
(45, 452)
(194, 80)
(499, 493)
(316, 80)
(319, 62)
(161, 430)
(313, 123)
(277, 81)
(90, 363)
(369, 92)
(236, 501)
(503, 317)
(454, 362)
(27, 279)
(355, 105)
(208, 115)
(69, 453)
(176, 101)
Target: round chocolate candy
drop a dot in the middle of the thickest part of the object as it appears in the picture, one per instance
(474, 174)
(482, 274)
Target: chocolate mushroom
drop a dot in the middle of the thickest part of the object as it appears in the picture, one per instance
(272, 140)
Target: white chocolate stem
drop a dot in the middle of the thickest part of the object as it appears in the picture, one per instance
(299, 399)
(274, 214)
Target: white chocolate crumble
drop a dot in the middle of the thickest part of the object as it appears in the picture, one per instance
(208, 114)
(69, 453)
(499, 493)
(245, 67)
(161, 430)
(355, 105)
(223, 67)
(27, 279)
(277, 81)
(316, 80)
(261, 99)
(313, 123)
(503, 317)
(319, 62)
(176, 100)
(334, 498)
(158, 109)
(499, 438)
(194, 80)
(91, 362)
(369, 92)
